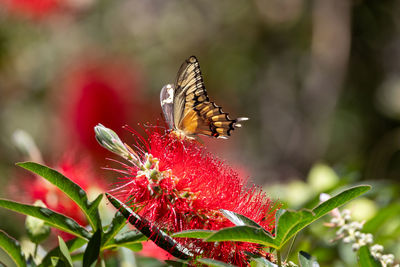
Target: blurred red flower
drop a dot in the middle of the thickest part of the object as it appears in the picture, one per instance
(179, 186)
(41, 9)
(32, 8)
(152, 250)
(97, 90)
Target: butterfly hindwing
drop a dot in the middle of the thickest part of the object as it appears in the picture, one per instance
(167, 104)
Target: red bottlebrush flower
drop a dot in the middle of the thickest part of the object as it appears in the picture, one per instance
(97, 89)
(179, 186)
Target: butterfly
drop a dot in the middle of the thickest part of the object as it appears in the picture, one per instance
(187, 109)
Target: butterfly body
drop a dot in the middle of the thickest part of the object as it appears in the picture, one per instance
(187, 108)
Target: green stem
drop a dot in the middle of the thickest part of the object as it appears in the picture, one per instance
(278, 255)
(36, 250)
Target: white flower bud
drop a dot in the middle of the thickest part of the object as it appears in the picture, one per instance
(355, 247)
(376, 248)
(108, 139)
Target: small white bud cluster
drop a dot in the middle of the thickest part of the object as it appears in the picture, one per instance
(386, 259)
(350, 232)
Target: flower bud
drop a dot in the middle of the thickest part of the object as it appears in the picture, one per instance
(108, 139)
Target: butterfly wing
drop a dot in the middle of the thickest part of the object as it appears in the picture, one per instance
(193, 112)
(167, 104)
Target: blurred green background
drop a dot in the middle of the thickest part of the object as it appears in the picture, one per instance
(319, 80)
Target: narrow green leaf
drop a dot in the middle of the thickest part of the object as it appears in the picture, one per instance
(117, 223)
(125, 239)
(306, 260)
(159, 237)
(72, 245)
(53, 218)
(176, 263)
(194, 234)
(321, 210)
(214, 263)
(64, 252)
(133, 246)
(365, 259)
(93, 249)
(260, 259)
(243, 233)
(239, 219)
(340, 199)
(78, 257)
(12, 248)
(54, 260)
(71, 189)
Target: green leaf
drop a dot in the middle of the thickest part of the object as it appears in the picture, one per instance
(260, 259)
(384, 214)
(239, 219)
(365, 259)
(71, 189)
(194, 233)
(288, 223)
(133, 246)
(176, 263)
(242, 233)
(214, 263)
(93, 249)
(54, 260)
(117, 223)
(72, 245)
(126, 239)
(159, 237)
(12, 248)
(64, 252)
(53, 218)
(306, 260)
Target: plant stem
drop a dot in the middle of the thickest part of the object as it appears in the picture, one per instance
(278, 255)
(36, 249)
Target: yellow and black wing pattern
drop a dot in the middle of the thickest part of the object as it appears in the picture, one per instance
(187, 108)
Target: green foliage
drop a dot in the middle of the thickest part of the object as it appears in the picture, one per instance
(365, 259)
(93, 249)
(13, 248)
(95, 239)
(64, 255)
(288, 223)
(213, 263)
(71, 189)
(72, 245)
(53, 218)
(194, 233)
